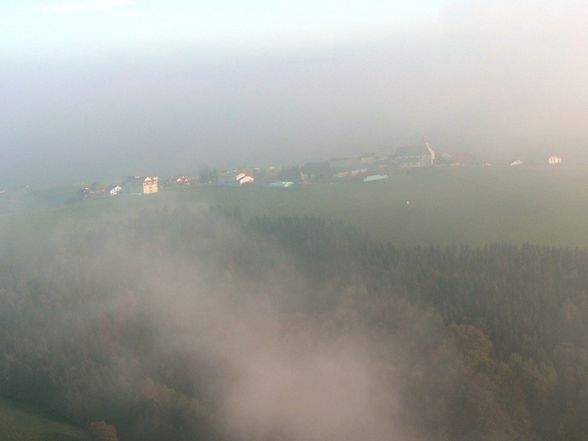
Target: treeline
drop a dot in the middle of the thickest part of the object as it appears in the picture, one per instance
(518, 316)
(485, 343)
(529, 299)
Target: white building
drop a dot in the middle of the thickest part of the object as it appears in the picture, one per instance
(243, 178)
(183, 180)
(554, 160)
(246, 180)
(151, 185)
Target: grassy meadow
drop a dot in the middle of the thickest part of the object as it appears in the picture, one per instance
(420, 207)
(435, 206)
(19, 423)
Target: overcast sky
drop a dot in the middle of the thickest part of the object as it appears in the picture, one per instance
(98, 88)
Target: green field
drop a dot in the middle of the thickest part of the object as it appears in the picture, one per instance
(445, 205)
(19, 423)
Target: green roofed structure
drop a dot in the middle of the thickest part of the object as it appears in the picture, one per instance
(374, 178)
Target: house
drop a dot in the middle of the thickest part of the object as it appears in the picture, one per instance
(229, 179)
(420, 155)
(115, 191)
(245, 179)
(182, 180)
(554, 160)
(151, 185)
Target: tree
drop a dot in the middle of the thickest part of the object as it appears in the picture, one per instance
(101, 431)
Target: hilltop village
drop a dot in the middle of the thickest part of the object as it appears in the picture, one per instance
(364, 168)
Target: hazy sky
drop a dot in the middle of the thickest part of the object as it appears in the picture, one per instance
(65, 28)
(92, 88)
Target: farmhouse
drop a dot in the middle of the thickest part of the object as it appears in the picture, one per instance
(182, 180)
(151, 185)
(554, 160)
(244, 178)
(420, 155)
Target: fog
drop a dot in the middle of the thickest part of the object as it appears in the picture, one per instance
(178, 317)
(273, 379)
(494, 78)
(193, 323)
(264, 367)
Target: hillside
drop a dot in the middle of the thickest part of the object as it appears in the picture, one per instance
(19, 423)
(436, 206)
(182, 325)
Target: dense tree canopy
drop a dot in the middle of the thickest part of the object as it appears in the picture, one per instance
(114, 325)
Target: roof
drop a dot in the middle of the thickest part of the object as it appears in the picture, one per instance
(421, 149)
(373, 178)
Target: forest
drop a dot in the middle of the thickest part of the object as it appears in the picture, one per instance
(184, 324)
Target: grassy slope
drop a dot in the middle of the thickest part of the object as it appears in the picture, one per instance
(475, 206)
(548, 206)
(451, 205)
(22, 424)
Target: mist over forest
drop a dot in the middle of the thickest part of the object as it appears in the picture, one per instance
(190, 324)
(293, 221)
